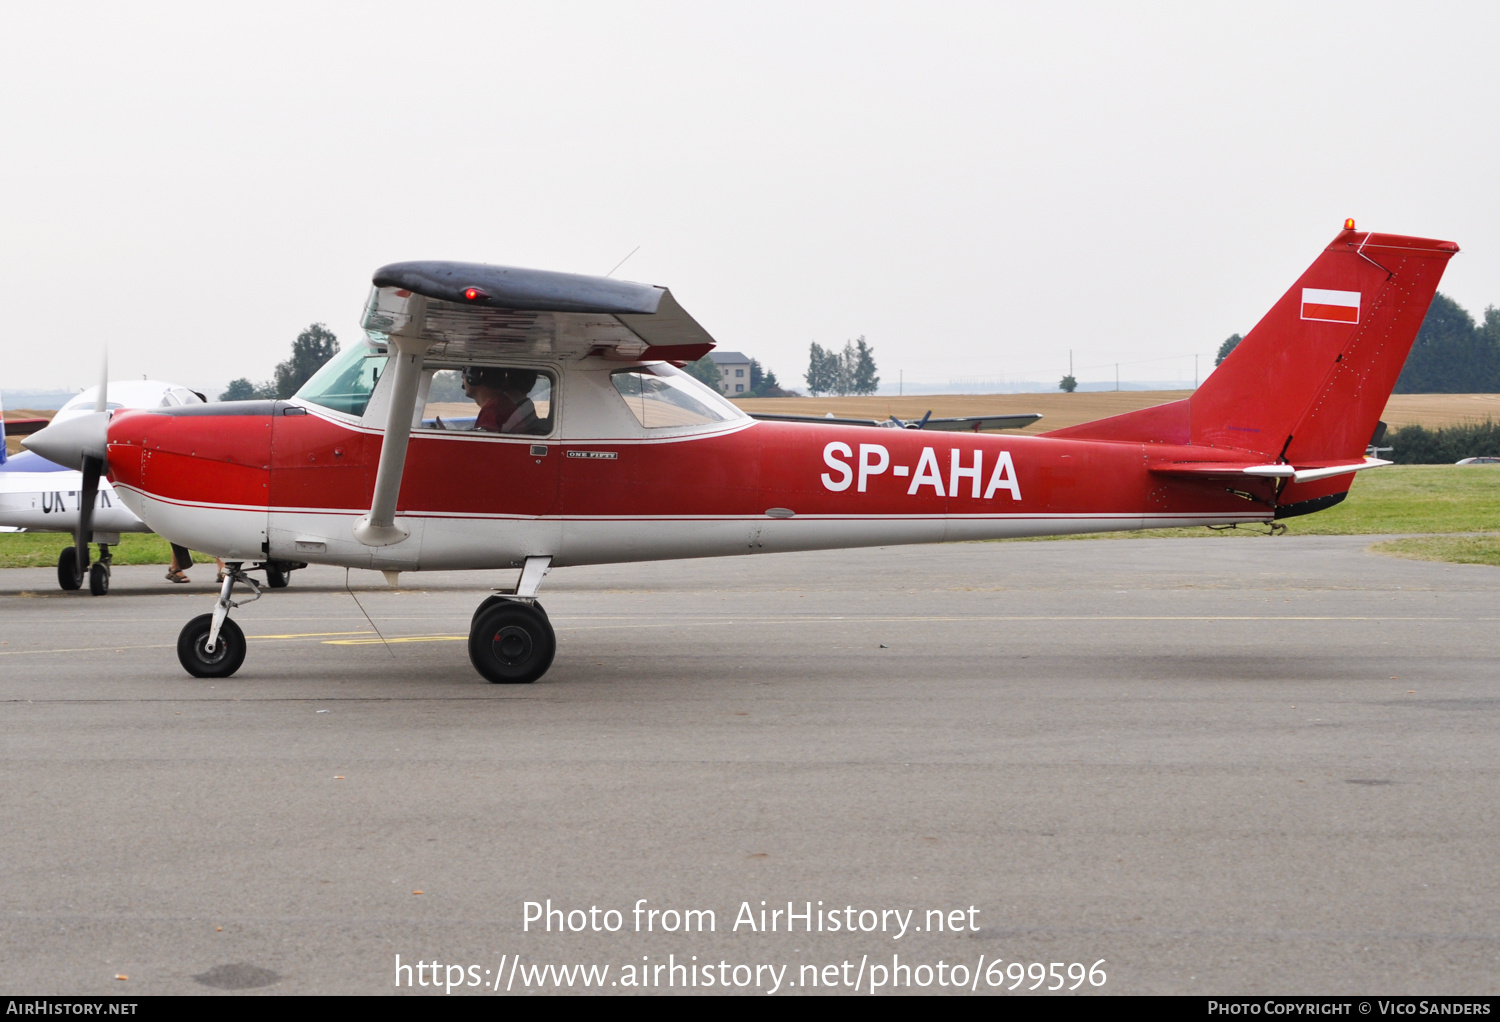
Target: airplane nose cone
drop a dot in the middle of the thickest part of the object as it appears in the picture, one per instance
(68, 443)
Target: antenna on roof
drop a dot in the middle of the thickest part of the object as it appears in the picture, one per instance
(621, 263)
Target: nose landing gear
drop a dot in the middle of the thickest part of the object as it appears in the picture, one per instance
(211, 645)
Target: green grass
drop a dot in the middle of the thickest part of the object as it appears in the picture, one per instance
(40, 549)
(1453, 549)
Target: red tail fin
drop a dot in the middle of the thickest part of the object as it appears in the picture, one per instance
(1308, 384)
(1310, 381)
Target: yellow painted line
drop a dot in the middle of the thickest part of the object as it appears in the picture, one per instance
(86, 649)
(162, 645)
(395, 639)
(309, 635)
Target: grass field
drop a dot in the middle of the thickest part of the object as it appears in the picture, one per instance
(1483, 549)
(40, 549)
(1399, 499)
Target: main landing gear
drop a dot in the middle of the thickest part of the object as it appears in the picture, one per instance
(211, 645)
(70, 574)
(511, 641)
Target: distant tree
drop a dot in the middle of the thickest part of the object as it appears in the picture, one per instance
(822, 370)
(861, 362)
(243, 390)
(1453, 355)
(851, 371)
(313, 346)
(763, 383)
(1068, 384)
(707, 370)
(1230, 343)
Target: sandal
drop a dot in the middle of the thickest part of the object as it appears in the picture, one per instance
(176, 576)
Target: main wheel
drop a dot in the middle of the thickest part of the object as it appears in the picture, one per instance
(495, 601)
(68, 575)
(278, 574)
(99, 579)
(511, 643)
(228, 654)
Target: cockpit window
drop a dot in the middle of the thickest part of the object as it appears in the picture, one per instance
(346, 381)
(662, 395)
(514, 400)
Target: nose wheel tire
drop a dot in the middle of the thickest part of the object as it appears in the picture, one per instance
(68, 575)
(511, 643)
(99, 579)
(278, 575)
(192, 652)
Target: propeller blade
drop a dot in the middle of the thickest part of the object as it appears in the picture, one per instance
(93, 468)
(923, 423)
(102, 401)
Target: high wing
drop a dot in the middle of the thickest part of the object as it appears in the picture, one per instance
(474, 311)
(465, 311)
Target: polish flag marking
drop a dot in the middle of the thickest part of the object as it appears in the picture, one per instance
(1330, 306)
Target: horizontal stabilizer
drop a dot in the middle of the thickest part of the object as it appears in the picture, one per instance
(1307, 474)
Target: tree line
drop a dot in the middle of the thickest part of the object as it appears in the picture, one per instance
(1418, 445)
(851, 371)
(313, 346)
(1452, 354)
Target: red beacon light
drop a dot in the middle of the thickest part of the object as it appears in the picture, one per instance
(479, 294)
(1349, 224)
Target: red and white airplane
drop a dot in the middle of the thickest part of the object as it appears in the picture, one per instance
(590, 445)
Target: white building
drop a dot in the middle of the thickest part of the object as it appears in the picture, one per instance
(735, 366)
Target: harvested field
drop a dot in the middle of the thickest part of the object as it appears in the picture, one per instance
(1059, 409)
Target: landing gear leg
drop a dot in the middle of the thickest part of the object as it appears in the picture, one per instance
(99, 572)
(211, 645)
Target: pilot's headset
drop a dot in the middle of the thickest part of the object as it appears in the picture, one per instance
(485, 376)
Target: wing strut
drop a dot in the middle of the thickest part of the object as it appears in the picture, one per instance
(408, 348)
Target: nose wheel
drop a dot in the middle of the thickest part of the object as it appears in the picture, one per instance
(511, 642)
(211, 645)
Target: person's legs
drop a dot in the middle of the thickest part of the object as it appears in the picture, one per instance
(182, 559)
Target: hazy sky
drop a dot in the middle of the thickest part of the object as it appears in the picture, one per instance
(976, 188)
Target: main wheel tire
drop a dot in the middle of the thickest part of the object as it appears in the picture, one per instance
(511, 643)
(495, 601)
(98, 579)
(228, 654)
(278, 574)
(68, 575)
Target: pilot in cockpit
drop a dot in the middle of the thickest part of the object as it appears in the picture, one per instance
(502, 396)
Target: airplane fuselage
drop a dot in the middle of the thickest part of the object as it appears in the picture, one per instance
(255, 480)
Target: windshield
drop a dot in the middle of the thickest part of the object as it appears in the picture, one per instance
(346, 381)
(662, 395)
